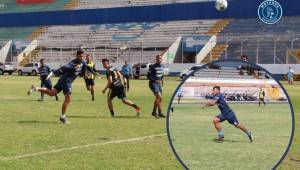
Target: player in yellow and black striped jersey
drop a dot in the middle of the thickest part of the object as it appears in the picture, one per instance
(261, 95)
(90, 77)
(115, 84)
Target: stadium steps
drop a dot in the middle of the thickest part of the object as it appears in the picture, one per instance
(39, 31)
(295, 54)
(33, 56)
(72, 4)
(218, 27)
(215, 54)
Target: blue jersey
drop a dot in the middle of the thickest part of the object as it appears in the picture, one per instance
(126, 70)
(70, 71)
(222, 104)
(44, 72)
(155, 72)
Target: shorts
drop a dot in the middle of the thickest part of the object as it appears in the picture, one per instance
(63, 86)
(117, 91)
(230, 117)
(89, 82)
(155, 88)
(127, 76)
(47, 84)
(261, 99)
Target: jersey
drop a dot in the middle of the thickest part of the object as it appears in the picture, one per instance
(87, 74)
(116, 81)
(126, 70)
(44, 72)
(71, 70)
(261, 94)
(155, 72)
(222, 104)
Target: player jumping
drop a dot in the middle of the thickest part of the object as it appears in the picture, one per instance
(217, 98)
(44, 71)
(116, 88)
(68, 73)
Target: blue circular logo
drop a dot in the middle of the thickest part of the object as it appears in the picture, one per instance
(270, 11)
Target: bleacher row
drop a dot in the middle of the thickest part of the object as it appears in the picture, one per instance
(271, 42)
(106, 40)
(224, 73)
(89, 4)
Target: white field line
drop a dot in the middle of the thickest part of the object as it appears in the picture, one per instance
(79, 147)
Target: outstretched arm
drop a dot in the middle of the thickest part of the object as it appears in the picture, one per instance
(210, 103)
(108, 85)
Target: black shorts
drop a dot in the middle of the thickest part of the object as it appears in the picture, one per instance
(230, 117)
(127, 76)
(117, 91)
(47, 84)
(66, 87)
(262, 99)
(89, 82)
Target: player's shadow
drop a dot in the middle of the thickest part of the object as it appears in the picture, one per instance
(296, 160)
(106, 117)
(36, 122)
(231, 141)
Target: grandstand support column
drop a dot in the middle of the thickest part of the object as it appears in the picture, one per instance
(242, 46)
(226, 52)
(274, 50)
(257, 49)
(292, 43)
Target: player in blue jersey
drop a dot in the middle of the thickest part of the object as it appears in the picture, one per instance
(155, 76)
(217, 98)
(44, 71)
(68, 73)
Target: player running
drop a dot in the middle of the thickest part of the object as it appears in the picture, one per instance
(155, 76)
(44, 71)
(261, 95)
(217, 98)
(68, 73)
(89, 77)
(116, 88)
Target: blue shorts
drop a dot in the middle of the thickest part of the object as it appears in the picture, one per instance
(47, 84)
(63, 86)
(230, 117)
(155, 88)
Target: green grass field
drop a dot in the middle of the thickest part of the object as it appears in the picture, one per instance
(193, 133)
(32, 138)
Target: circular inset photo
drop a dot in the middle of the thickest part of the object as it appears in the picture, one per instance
(230, 115)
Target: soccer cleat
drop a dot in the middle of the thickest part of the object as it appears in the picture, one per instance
(93, 99)
(154, 115)
(161, 115)
(138, 111)
(40, 100)
(64, 120)
(32, 89)
(251, 137)
(220, 139)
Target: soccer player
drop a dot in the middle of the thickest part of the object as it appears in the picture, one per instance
(290, 75)
(179, 94)
(126, 71)
(155, 76)
(217, 98)
(68, 73)
(44, 71)
(261, 95)
(89, 77)
(116, 88)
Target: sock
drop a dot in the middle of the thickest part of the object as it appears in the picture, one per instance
(159, 111)
(248, 133)
(63, 115)
(220, 133)
(112, 112)
(134, 106)
(154, 110)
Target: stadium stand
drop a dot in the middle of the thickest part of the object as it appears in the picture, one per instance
(252, 37)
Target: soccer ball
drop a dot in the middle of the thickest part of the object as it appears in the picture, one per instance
(221, 5)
